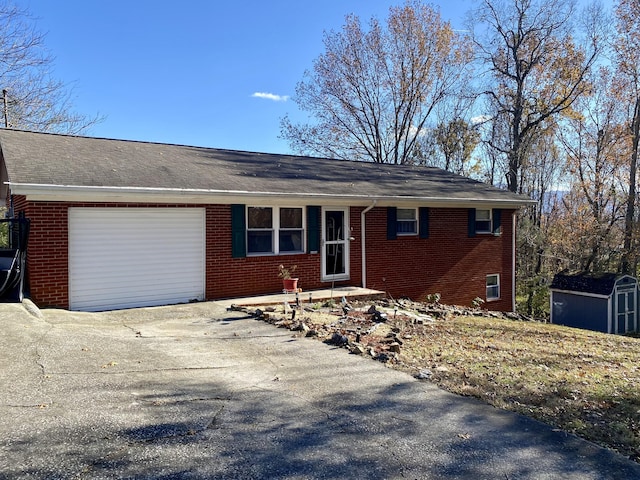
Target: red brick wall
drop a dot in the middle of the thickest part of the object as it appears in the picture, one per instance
(232, 277)
(47, 251)
(448, 262)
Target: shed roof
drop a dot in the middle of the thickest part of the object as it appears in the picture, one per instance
(35, 160)
(586, 282)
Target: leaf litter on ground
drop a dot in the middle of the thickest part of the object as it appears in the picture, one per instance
(579, 381)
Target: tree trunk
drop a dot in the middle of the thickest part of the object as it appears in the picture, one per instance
(628, 263)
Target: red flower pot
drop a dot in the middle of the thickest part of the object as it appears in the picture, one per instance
(290, 284)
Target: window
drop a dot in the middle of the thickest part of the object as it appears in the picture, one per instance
(493, 287)
(291, 232)
(406, 221)
(483, 220)
(260, 230)
(272, 230)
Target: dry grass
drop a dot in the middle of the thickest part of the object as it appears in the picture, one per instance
(583, 382)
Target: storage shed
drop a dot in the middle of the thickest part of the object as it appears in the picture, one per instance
(604, 302)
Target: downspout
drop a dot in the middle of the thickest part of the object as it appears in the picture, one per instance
(513, 262)
(363, 246)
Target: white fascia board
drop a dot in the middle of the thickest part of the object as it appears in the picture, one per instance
(80, 193)
(583, 294)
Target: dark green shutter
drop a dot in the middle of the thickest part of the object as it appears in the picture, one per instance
(423, 215)
(496, 216)
(472, 222)
(313, 229)
(392, 223)
(238, 231)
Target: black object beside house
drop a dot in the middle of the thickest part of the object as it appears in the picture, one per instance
(604, 302)
(13, 256)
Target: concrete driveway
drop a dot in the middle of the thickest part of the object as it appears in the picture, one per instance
(195, 392)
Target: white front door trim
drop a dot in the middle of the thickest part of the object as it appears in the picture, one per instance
(335, 244)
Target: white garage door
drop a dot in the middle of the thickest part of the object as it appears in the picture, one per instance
(134, 257)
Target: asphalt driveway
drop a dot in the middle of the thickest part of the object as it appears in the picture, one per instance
(195, 392)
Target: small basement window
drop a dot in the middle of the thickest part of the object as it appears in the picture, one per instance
(493, 287)
(483, 220)
(407, 221)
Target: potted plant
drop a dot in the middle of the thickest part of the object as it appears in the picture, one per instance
(289, 284)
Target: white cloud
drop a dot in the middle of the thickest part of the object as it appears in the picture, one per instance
(271, 96)
(480, 119)
(413, 130)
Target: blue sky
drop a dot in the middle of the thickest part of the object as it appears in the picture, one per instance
(215, 73)
(188, 72)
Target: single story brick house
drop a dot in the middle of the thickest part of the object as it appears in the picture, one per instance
(119, 224)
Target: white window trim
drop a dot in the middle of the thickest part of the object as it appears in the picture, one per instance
(487, 286)
(275, 230)
(415, 222)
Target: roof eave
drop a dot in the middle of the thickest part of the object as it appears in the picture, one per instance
(46, 192)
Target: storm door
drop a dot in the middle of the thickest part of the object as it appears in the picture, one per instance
(335, 244)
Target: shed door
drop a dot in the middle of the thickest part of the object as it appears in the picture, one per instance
(625, 309)
(134, 257)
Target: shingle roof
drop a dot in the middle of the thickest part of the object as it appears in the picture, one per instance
(596, 283)
(52, 159)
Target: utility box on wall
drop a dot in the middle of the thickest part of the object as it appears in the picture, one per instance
(604, 302)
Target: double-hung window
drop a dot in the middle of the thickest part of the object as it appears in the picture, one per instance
(407, 221)
(291, 233)
(483, 220)
(273, 230)
(260, 230)
(493, 287)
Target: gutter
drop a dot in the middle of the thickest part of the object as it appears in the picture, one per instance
(363, 246)
(80, 192)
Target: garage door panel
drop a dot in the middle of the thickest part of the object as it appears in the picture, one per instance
(105, 301)
(122, 258)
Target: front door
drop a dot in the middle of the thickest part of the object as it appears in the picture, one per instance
(625, 309)
(335, 244)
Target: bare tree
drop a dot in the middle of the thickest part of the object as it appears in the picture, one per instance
(535, 70)
(33, 99)
(453, 135)
(596, 146)
(454, 141)
(627, 64)
(534, 223)
(372, 92)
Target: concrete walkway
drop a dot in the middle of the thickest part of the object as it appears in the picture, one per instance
(196, 392)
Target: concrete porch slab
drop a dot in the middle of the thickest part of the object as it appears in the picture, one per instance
(350, 293)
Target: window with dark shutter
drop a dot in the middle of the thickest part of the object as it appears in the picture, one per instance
(483, 220)
(406, 221)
